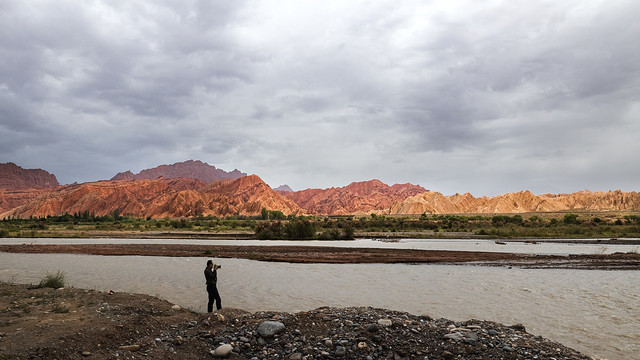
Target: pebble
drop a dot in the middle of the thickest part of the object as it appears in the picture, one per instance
(222, 351)
(176, 307)
(385, 322)
(129, 347)
(86, 353)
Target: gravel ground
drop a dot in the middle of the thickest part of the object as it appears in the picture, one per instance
(86, 324)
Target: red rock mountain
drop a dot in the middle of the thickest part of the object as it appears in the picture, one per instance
(356, 198)
(189, 169)
(14, 177)
(520, 202)
(159, 198)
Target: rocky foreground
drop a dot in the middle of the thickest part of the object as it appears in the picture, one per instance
(76, 324)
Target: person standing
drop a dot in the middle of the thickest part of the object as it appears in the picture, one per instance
(211, 276)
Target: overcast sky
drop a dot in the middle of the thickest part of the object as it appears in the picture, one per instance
(485, 97)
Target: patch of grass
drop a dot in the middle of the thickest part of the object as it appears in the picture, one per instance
(51, 280)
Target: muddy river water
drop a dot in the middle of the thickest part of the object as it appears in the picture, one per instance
(593, 311)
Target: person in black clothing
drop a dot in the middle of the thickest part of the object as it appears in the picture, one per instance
(211, 275)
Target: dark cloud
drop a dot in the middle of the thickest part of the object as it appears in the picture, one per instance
(457, 96)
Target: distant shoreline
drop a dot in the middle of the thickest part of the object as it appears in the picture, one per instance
(342, 255)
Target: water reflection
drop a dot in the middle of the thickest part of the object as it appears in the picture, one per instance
(592, 311)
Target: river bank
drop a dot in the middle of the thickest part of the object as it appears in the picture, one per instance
(342, 255)
(76, 323)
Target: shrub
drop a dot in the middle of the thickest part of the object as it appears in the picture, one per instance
(51, 280)
(570, 218)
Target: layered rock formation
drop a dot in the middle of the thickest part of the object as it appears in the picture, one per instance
(520, 202)
(14, 177)
(189, 169)
(159, 198)
(355, 199)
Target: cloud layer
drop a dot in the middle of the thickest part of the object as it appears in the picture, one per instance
(457, 96)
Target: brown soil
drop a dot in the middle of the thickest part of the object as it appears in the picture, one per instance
(339, 255)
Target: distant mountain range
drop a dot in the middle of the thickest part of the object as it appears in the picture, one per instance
(193, 188)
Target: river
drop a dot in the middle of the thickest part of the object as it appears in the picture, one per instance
(593, 311)
(569, 246)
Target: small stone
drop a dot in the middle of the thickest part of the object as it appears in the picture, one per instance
(385, 322)
(222, 351)
(518, 327)
(158, 340)
(86, 353)
(493, 332)
(507, 348)
(129, 347)
(176, 307)
(270, 328)
(447, 355)
(220, 317)
(295, 356)
(362, 345)
(454, 336)
(328, 343)
(372, 328)
(341, 351)
(244, 339)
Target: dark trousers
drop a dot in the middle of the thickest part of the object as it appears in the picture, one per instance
(212, 290)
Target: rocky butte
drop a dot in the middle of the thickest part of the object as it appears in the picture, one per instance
(190, 169)
(18, 186)
(14, 177)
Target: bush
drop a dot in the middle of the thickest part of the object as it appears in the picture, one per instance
(570, 218)
(54, 281)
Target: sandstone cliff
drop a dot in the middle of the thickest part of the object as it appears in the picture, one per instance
(159, 198)
(357, 198)
(189, 169)
(14, 177)
(520, 202)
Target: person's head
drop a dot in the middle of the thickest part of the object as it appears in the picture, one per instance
(209, 263)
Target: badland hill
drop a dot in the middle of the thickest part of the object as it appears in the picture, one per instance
(357, 198)
(520, 202)
(159, 198)
(190, 169)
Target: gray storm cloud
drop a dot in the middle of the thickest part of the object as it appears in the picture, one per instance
(457, 96)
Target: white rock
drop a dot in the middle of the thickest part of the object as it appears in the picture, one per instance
(385, 322)
(176, 307)
(222, 351)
